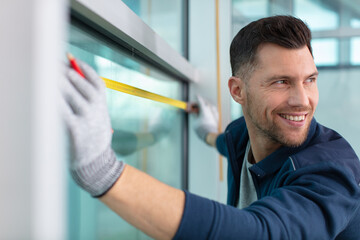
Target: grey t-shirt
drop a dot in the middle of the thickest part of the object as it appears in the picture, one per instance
(247, 193)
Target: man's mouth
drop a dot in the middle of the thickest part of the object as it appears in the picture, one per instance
(295, 118)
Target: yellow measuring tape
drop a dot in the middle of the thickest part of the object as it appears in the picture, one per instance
(122, 87)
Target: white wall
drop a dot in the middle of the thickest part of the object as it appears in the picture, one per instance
(203, 160)
(31, 170)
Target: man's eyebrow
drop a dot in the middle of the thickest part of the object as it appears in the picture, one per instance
(275, 77)
(314, 74)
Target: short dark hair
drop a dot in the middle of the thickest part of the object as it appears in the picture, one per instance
(286, 31)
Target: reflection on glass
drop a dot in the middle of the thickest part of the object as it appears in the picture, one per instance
(154, 12)
(125, 142)
(147, 134)
(325, 51)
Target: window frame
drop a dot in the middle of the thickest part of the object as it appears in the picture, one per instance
(128, 30)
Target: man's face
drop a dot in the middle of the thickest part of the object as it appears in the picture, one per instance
(281, 95)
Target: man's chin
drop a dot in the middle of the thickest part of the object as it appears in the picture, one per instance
(293, 144)
(293, 138)
(294, 141)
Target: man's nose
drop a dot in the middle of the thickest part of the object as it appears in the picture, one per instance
(298, 96)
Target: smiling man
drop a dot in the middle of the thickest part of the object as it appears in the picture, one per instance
(279, 98)
(289, 177)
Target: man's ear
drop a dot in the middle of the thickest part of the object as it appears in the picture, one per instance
(237, 89)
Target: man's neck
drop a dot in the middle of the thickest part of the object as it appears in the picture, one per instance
(261, 148)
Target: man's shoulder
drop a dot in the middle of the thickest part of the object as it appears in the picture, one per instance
(235, 124)
(237, 132)
(329, 144)
(328, 147)
(233, 138)
(237, 128)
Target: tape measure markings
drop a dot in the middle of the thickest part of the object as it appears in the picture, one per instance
(122, 87)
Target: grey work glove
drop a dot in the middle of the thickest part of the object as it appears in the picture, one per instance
(207, 121)
(93, 163)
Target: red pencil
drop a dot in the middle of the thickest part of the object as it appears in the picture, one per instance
(74, 64)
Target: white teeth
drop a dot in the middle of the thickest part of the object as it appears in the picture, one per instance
(293, 118)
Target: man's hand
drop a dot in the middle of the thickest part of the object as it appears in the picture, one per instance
(206, 125)
(93, 163)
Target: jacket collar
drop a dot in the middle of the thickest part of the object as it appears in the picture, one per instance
(270, 164)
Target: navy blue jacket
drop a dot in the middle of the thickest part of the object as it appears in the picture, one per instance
(308, 192)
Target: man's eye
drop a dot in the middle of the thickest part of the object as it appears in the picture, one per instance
(280, 82)
(309, 80)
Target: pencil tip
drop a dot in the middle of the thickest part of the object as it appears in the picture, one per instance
(70, 56)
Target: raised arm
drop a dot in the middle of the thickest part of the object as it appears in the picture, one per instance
(148, 204)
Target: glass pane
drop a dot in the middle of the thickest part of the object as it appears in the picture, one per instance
(153, 13)
(325, 51)
(147, 134)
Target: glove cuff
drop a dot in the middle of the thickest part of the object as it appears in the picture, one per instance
(100, 174)
(203, 130)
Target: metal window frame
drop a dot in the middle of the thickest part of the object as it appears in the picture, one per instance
(115, 20)
(185, 145)
(341, 32)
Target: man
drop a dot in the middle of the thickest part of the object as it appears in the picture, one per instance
(291, 177)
